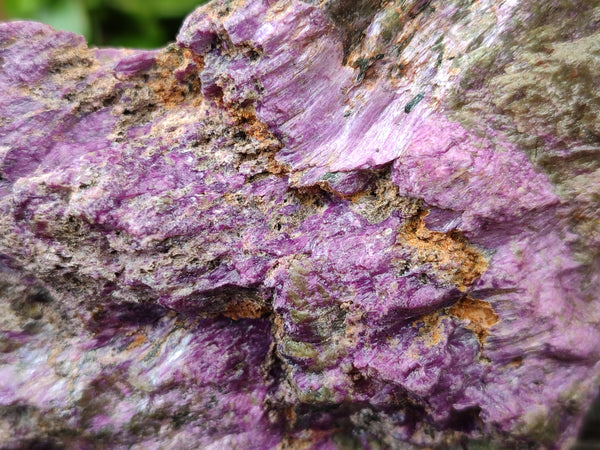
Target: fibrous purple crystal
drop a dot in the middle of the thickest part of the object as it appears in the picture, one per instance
(336, 224)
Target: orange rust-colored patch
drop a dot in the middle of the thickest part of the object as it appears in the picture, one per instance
(171, 93)
(454, 259)
(245, 309)
(479, 314)
(430, 328)
(139, 340)
(167, 88)
(245, 118)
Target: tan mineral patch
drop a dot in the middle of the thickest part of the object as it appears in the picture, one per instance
(480, 315)
(290, 414)
(73, 63)
(170, 91)
(245, 309)
(139, 340)
(377, 204)
(451, 256)
(430, 328)
(304, 440)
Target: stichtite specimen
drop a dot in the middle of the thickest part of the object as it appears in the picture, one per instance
(335, 224)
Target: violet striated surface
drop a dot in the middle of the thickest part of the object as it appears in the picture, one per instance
(338, 224)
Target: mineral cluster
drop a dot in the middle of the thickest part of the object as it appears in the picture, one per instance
(333, 224)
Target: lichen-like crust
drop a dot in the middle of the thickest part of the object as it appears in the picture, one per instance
(306, 224)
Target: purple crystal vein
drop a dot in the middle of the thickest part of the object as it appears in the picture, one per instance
(303, 225)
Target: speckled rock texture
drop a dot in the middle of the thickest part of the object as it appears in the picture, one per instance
(335, 224)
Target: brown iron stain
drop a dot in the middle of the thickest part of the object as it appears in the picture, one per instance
(245, 309)
(516, 362)
(245, 118)
(455, 261)
(379, 201)
(479, 314)
(277, 327)
(450, 254)
(430, 328)
(139, 340)
(304, 440)
(170, 91)
(290, 414)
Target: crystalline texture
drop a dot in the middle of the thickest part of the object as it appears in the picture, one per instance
(336, 224)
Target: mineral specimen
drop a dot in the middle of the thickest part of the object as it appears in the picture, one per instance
(351, 224)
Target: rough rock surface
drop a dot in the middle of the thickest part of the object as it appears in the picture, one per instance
(334, 224)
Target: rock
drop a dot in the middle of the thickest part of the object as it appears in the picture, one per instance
(350, 224)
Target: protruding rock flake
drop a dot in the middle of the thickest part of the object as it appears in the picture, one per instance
(333, 224)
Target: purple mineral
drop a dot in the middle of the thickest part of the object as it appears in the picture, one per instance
(336, 224)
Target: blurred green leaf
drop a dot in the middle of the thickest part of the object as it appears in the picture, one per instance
(140, 33)
(23, 9)
(156, 8)
(130, 23)
(68, 15)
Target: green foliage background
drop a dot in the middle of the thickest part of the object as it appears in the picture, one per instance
(116, 23)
